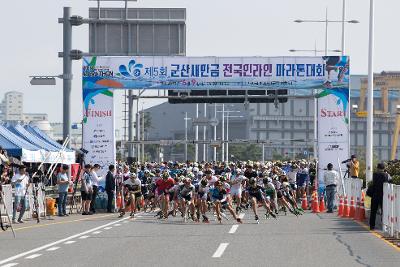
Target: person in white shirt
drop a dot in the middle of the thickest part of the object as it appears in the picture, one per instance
(21, 183)
(95, 186)
(331, 178)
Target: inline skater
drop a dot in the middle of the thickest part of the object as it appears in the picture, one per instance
(133, 194)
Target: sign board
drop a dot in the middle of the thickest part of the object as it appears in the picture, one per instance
(327, 76)
(145, 31)
(205, 122)
(334, 116)
(208, 73)
(362, 114)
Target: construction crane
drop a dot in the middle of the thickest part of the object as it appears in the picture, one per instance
(385, 82)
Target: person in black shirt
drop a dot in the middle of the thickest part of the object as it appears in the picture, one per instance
(256, 195)
(378, 179)
(110, 187)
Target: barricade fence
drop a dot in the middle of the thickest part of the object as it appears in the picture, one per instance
(351, 199)
(391, 210)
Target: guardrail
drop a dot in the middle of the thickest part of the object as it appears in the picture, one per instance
(391, 210)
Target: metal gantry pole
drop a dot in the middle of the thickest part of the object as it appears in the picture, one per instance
(370, 110)
(215, 133)
(315, 147)
(326, 32)
(67, 73)
(263, 152)
(130, 123)
(137, 130)
(204, 133)
(143, 159)
(223, 133)
(196, 156)
(227, 137)
(343, 28)
(186, 136)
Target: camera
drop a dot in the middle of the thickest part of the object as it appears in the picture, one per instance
(346, 161)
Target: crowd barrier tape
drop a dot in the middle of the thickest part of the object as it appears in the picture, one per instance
(391, 210)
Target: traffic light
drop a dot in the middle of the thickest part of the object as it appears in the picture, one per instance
(227, 96)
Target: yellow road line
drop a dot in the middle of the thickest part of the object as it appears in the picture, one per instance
(63, 222)
(378, 235)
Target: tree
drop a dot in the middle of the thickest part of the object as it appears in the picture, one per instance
(245, 152)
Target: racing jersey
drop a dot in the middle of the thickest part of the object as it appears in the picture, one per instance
(164, 185)
(133, 185)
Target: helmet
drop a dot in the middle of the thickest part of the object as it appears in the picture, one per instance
(133, 175)
(165, 174)
(204, 182)
(252, 181)
(217, 183)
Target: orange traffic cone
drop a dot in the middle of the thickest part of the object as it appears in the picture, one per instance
(322, 204)
(315, 203)
(352, 209)
(304, 204)
(341, 206)
(357, 213)
(119, 201)
(346, 210)
(361, 214)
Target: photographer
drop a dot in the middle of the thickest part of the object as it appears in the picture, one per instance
(21, 183)
(353, 166)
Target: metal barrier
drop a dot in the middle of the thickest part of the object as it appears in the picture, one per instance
(391, 210)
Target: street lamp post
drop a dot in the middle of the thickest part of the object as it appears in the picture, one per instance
(186, 136)
(326, 21)
(370, 110)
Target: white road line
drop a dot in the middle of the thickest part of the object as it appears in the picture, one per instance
(220, 250)
(233, 229)
(69, 242)
(84, 237)
(9, 265)
(33, 256)
(96, 232)
(52, 248)
(118, 224)
(58, 242)
(107, 228)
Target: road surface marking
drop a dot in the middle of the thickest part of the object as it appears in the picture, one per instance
(84, 237)
(52, 249)
(33, 256)
(69, 242)
(378, 235)
(63, 222)
(107, 228)
(233, 229)
(118, 224)
(58, 242)
(9, 265)
(96, 232)
(220, 250)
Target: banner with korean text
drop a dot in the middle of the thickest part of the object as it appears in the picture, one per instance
(323, 75)
(334, 115)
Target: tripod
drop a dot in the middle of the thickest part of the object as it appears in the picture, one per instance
(3, 226)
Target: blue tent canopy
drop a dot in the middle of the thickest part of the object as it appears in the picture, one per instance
(33, 139)
(19, 147)
(37, 132)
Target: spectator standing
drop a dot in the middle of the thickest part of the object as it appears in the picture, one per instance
(331, 178)
(110, 188)
(95, 186)
(21, 183)
(63, 182)
(378, 179)
(86, 190)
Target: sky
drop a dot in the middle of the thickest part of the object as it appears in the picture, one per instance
(31, 38)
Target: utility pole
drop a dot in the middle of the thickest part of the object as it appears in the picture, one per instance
(196, 156)
(205, 133)
(130, 124)
(223, 133)
(186, 136)
(67, 73)
(215, 133)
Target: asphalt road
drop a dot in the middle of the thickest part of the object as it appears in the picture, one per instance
(104, 240)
